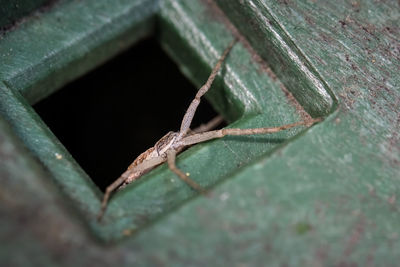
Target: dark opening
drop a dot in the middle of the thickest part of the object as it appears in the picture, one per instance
(108, 117)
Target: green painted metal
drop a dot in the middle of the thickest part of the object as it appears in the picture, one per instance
(320, 196)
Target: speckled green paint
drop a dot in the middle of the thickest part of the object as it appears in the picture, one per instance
(324, 196)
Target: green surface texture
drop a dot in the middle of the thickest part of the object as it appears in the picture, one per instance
(11, 11)
(323, 196)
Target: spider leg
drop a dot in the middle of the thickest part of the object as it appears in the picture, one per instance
(171, 156)
(188, 117)
(145, 165)
(205, 136)
(208, 126)
(107, 195)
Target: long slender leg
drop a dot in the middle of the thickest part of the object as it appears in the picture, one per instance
(201, 137)
(107, 194)
(171, 155)
(208, 126)
(188, 117)
(145, 165)
(187, 120)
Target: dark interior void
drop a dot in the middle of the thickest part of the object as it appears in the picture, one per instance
(109, 116)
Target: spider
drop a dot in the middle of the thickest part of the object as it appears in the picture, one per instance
(171, 144)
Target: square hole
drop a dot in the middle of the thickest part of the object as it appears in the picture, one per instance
(108, 117)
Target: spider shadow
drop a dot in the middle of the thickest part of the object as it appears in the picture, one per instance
(258, 139)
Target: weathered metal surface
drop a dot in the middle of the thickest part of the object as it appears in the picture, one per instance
(328, 196)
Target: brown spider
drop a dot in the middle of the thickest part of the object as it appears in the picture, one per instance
(173, 143)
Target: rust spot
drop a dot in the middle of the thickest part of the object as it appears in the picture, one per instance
(389, 30)
(326, 38)
(284, 2)
(349, 96)
(309, 20)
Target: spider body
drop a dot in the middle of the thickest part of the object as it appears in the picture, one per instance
(158, 150)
